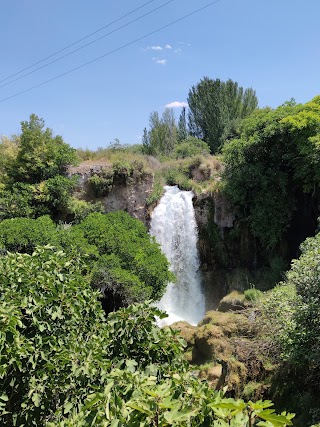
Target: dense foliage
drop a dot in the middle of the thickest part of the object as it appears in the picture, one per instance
(34, 170)
(131, 265)
(271, 164)
(304, 335)
(125, 262)
(41, 155)
(60, 358)
(290, 326)
(214, 105)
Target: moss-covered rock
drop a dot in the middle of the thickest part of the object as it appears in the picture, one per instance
(227, 350)
(234, 301)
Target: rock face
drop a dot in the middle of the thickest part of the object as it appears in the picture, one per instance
(127, 192)
(130, 198)
(227, 349)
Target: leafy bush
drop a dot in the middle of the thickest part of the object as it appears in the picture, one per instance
(34, 173)
(41, 155)
(127, 239)
(135, 399)
(60, 358)
(100, 184)
(80, 209)
(272, 163)
(17, 201)
(304, 275)
(252, 294)
(277, 309)
(126, 263)
(52, 347)
(191, 147)
(24, 234)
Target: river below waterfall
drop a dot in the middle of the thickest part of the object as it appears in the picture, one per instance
(174, 227)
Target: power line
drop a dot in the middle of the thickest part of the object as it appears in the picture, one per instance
(113, 51)
(78, 41)
(88, 44)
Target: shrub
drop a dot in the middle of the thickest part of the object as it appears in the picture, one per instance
(80, 209)
(52, 346)
(253, 294)
(62, 364)
(101, 184)
(24, 234)
(125, 237)
(191, 147)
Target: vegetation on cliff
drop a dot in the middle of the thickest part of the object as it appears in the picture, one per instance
(272, 165)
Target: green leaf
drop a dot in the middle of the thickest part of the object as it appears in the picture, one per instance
(4, 397)
(67, 407)
(36, 399)
(176, 415)
(276, 420)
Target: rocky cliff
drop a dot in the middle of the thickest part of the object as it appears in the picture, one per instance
(126, 191)
(231, 257)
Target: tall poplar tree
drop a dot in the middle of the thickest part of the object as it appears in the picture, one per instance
(182, 126)
(213, 105)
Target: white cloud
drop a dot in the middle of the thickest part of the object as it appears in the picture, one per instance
(160, 61)
(154, 48)
(167, 46)
(178, 51)
(176, 104)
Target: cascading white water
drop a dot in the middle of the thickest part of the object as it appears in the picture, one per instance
(174, 226)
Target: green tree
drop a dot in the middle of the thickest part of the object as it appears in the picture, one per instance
(304, 275)
(52, 344)
(41, 155)
(9, 148)
(182, 126)
(272, 164)
(126, 264)
(24, 234)
(213, 104)
(163, 134)
(34, 171)
(146, 142)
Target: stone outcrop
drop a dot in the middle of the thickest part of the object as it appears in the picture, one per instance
(226, 350)
(126, 193)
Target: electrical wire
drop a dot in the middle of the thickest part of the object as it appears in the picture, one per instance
(88, 44)
(78, 41)
(112, 51)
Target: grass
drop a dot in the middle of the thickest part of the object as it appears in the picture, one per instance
(200, 174)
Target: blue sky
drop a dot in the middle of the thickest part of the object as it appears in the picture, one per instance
(272, 46)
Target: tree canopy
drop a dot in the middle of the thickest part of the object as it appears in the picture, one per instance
(163, 133)
(214, 105)
(41, 155)
(270, 164)
(34, 170)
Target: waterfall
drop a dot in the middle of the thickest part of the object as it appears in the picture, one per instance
(174, 226)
